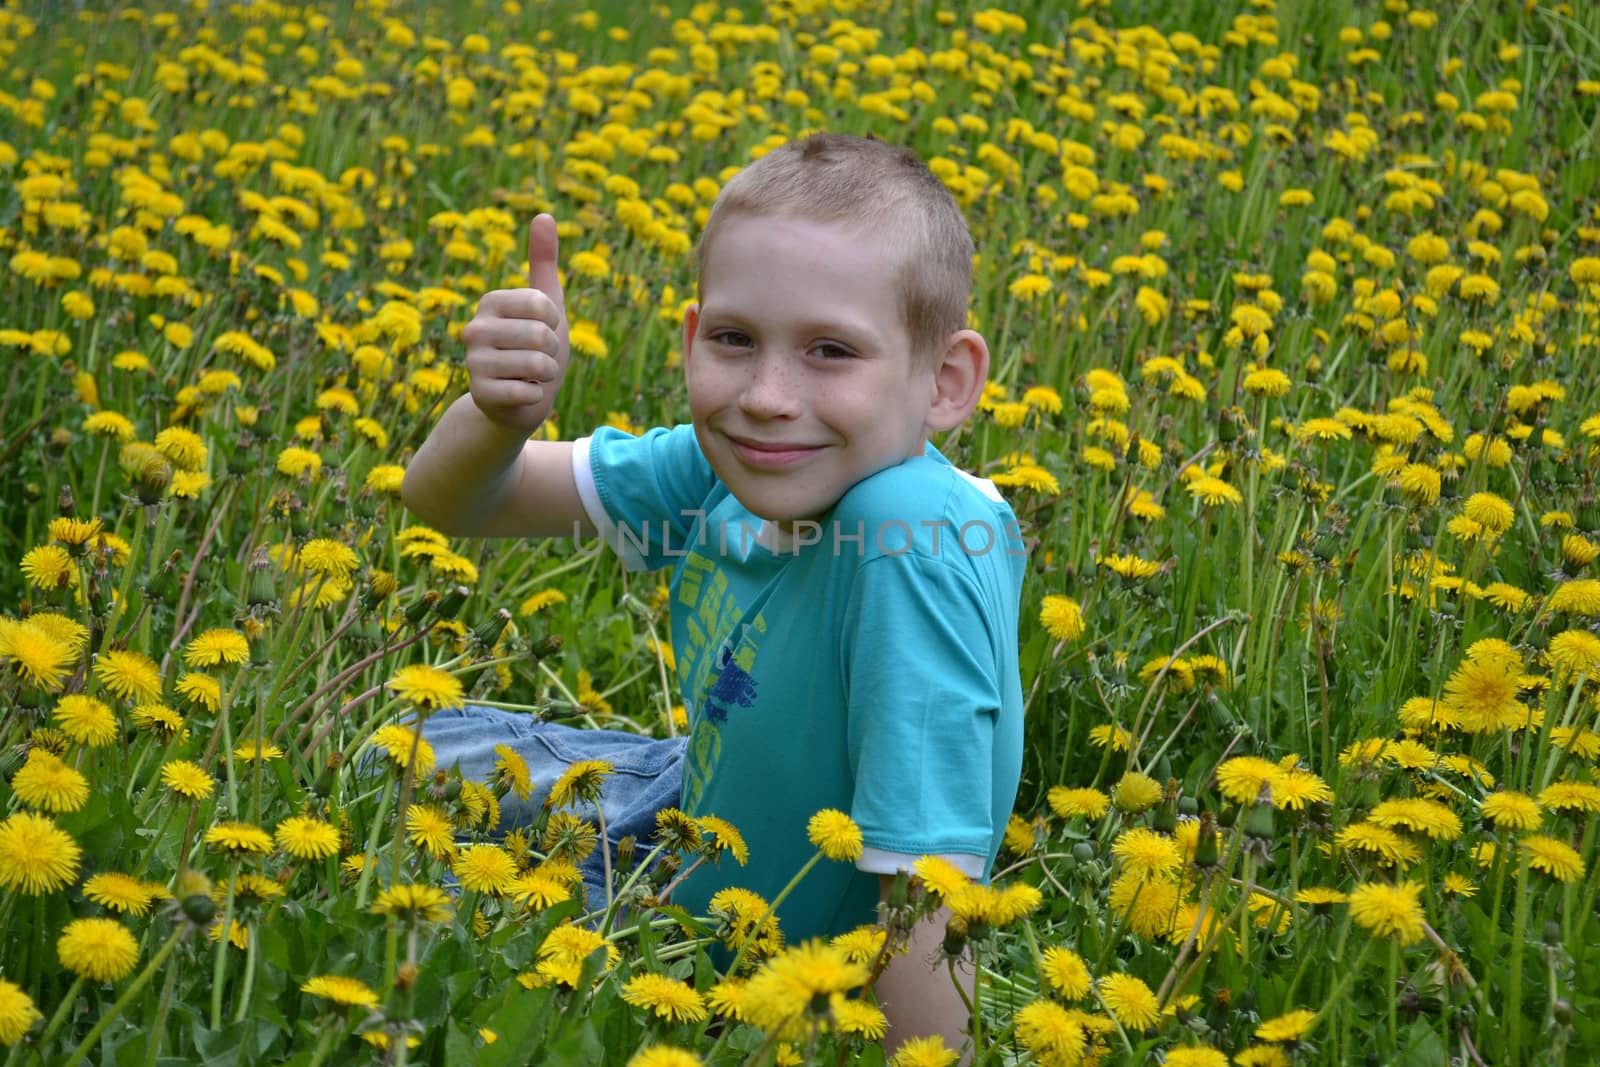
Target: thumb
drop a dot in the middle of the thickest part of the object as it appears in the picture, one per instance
(543, 249)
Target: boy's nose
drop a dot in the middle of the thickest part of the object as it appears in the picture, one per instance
(771, 391)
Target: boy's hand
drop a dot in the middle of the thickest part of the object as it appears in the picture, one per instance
(517, 342)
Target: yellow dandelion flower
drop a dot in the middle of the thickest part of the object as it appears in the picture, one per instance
(405, 747)
(1570, 797)
(1061, 617)
(667, 998)
(18, 1014)
(129, 675)
(581, 783)
(835, 835)
(187, 779)
(1146, 854)
(36, 855)
(120, 892)
(1290, 1026)
(101, 950)
(1074, 803)
(1510, 809)
(1129, 1001)
(1135, 792)
(431, 830)
(1241, 778)
(341, 990)
(86, 720)
(413, 903)
(484, 868)
(239, 838)
(215, 648)
(46, 783)
(427, 687)
(307, 838)
(1389, 910)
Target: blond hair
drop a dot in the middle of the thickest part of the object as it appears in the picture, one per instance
(885, 190)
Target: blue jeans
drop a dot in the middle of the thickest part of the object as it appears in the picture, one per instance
(647, 772)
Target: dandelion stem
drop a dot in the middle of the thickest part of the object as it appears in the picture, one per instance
(975, 1024)
(60, 1017)
(158, 1028)
(1513, 1013)
(218, 969)
(340, 679)
(639, 869)
(371, 856)
(243, 1010)
(772, 909)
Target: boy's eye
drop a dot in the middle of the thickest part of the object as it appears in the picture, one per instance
(829, 350)
(733, 338)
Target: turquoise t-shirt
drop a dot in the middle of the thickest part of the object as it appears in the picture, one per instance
(867, 663)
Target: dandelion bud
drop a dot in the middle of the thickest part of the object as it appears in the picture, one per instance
(198, 909)
(625, 853)
(405, 976)
(1227, 429)
(263, 594)
(487, 632)
(64, 501)
(452, 789)
(955, 937)
(1205, 848)
(1561, 1010)
(665, 869)
(899, 890)
(547, 645)
(379, 587)
(323, 786)
(451, 603)
(418, 609)
(164, 583)
(194, 896)
(1166, 817)
(193, 883)
(1083, 852)
(240, 461)
(153, 481)
(1258, 821)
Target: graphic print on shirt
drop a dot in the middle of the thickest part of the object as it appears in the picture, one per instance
(716, 667)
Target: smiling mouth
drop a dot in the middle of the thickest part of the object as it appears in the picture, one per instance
(768, 454)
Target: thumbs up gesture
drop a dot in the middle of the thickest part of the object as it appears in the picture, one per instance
(517, 342)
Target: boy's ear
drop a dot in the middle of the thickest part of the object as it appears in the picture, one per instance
(958, 380)
(691, 321)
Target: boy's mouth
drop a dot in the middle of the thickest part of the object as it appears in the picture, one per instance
(770, 454)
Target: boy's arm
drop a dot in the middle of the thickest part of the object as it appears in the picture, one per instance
(916, 992)
(473, 478)
(477, 474)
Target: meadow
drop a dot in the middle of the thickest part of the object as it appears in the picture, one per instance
(1293, 310)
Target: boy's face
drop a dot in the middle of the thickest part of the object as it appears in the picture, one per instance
(801, 376)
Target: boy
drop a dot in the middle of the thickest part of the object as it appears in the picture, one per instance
(844, 601)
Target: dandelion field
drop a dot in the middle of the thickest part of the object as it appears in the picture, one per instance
(1294, 392)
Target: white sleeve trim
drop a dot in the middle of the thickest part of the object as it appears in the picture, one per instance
(589, 494)
(877, 861)
(982, 485)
